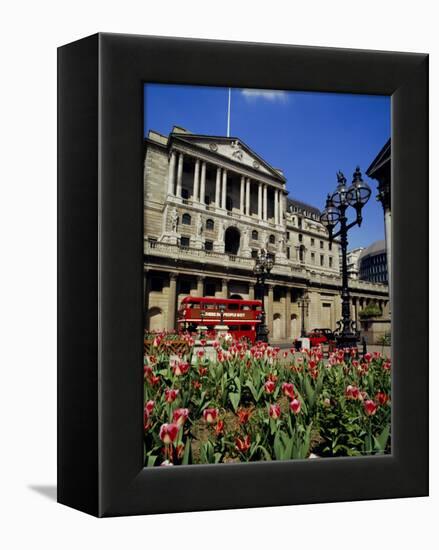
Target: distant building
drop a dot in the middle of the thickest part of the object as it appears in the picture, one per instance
(380, 170)
(353, 266)
(373, 263)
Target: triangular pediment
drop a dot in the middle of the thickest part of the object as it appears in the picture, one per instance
(232, 149)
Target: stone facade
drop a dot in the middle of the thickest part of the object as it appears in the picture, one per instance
(210, 203)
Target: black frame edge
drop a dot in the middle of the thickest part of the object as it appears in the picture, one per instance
(77, 463)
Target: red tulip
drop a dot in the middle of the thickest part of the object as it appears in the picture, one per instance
(243, 416)
(200, 353)
(274, 411)
(370, 407)
(352, 392)
(295, 406)
(180, 416)
(168, 433)
(171, 395)
(288, 390)
(382, 398)
(202, 371)
(210, 415)
(269, 386)
(243, 444)
(219, 428)
(196, 384)
(367, 357)
(181, 368)
(149, 407)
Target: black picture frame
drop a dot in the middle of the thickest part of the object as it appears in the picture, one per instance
(100, 271)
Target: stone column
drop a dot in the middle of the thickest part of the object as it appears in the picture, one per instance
(179, 174)
(288, 312)
(171, 174)
(224, 189)
(276, 206)
(196, 180)
(224, 288)
(251, 291)
(172, 300)
(247, 197)
(218, 187)
(203, 183)
(281, 208)
(269, 312)
(200, 286)
(241, 201)
(260, 200)
(265, 209)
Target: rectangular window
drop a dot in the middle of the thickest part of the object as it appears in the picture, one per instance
(300, 237)
(185, 242)
(313, 258)
(288, 235)
(321, 244)
(312, 242)
(208, 245)
(288, 252)
(329, 246)
(330, 261)
(322, 260)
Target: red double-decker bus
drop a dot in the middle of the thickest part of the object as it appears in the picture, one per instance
(241, 316)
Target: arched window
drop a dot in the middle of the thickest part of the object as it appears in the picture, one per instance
(210, 224)
(186, 219)
(254, 235)
(272, 239)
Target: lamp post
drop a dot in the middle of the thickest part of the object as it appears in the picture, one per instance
(334, 213)
(304, 304)
(222, 308)
(263, 265)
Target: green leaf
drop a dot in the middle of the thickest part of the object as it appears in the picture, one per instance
(151, 460)
(234, 400)
(381, 440)
(187, 450)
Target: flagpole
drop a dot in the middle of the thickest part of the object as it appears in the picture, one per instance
(228, 112)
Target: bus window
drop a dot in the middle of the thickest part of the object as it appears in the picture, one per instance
(233, 306)
(245, 327)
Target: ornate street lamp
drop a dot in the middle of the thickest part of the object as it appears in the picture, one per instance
(334, 213)
(222, 308)
(263, 265)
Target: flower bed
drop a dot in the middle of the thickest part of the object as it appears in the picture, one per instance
(261, 403)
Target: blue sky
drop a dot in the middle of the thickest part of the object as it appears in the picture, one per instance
(308, 135)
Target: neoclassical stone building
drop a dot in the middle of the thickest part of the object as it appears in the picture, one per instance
(210, 203)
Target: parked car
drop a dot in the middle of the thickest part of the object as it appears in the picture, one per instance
(320, 336)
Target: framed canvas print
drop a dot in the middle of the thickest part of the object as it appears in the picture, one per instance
(242, 275)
